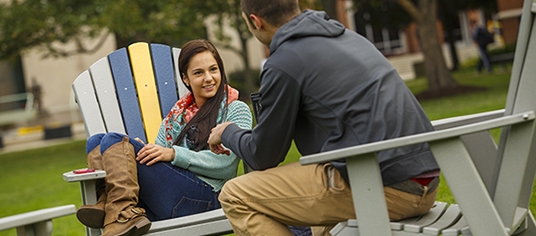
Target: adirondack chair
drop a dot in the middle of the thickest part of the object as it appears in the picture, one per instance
(130, 91)
(36, 223)
(492, 183)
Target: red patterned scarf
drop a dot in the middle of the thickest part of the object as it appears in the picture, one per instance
(183, 111)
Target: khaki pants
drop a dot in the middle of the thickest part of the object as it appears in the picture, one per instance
(265, 202)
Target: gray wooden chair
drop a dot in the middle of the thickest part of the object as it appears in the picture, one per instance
(36, 223)
(19, 113)
(130, 91)
(491, 182)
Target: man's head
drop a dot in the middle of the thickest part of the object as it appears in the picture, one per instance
(264, 18)
(473, 23)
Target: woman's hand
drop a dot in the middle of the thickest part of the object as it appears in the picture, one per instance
(152, 153)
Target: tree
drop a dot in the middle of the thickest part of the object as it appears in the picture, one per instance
(43, 24)
(32, 23)
(425, 16)
(47, 24)
(231, 14)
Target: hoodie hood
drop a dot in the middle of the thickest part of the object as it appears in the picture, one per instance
(308, 23)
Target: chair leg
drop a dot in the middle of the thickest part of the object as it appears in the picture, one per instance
(43, 228)
(530, 226)
(89, 196)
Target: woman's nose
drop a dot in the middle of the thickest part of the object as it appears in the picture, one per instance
(208, 77)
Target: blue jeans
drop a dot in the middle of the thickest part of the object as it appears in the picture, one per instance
(484, 59)
(166, 191)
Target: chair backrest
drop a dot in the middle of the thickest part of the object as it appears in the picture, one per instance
(516, 150)
(130, 90)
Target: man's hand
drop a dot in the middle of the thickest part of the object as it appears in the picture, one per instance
(214, 140)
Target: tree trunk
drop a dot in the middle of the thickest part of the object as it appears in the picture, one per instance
(248, 79)
(436, 70)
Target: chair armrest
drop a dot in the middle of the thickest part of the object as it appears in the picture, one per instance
(467, 119)
(72, 177)
(417, 138)
(206, 223)
(37, 216)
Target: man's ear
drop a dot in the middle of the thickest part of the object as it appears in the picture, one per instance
(257, 21)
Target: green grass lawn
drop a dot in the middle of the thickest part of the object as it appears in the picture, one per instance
(31, 180)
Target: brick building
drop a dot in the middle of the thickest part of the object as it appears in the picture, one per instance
(509, 14)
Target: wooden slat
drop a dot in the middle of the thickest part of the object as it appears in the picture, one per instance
(457, 228)
(206, 223)
(165, 76)
(189, 220)
(126, 93)
(87, 102)
(37, 216)
(105, 90)
(180, 85)
(142, 70)
(415, 225)
(451, 216)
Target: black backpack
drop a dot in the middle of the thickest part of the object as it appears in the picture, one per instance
(486, 36)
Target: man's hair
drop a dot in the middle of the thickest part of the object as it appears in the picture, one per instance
(275, 12)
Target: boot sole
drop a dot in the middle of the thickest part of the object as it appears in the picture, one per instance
(92, 218)
(141, 227)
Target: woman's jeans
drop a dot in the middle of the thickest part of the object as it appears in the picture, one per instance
(166, 191)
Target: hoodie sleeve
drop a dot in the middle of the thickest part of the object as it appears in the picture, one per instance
(268, 143)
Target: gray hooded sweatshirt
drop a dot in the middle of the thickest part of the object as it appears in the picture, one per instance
(326, 88)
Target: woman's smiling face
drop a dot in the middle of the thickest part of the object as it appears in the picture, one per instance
(203, 76)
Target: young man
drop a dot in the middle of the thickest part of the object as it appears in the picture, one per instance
(482, 39)
(326, 88)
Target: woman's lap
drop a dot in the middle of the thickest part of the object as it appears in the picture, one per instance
(166, 191)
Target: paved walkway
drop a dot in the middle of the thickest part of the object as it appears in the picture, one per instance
(26, 138)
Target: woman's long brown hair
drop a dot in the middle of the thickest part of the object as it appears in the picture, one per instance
(205, 118)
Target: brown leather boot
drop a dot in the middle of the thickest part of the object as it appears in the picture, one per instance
(122, 215)
(93, 215)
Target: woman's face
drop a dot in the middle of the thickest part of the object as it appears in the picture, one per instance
(203, 76)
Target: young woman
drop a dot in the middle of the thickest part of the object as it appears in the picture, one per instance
(178, 175)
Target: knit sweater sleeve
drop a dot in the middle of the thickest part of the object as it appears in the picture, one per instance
(205, 162)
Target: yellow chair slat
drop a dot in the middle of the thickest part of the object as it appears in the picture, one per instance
(142, 69)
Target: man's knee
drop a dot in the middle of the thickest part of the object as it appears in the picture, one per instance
(226, 193)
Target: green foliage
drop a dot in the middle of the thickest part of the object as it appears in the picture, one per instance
(238, 80)
(381, 14)
(40, 23)
(30, 23)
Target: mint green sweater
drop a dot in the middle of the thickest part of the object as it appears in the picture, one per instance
(212, 168)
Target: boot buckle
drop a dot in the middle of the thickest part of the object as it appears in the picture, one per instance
(125, 216)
